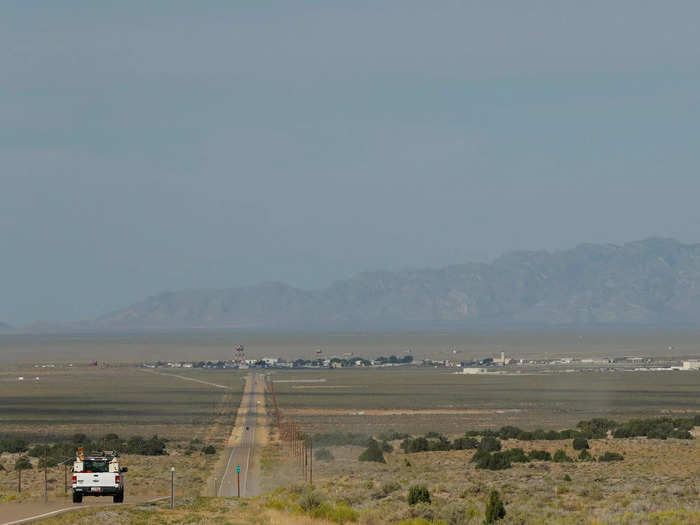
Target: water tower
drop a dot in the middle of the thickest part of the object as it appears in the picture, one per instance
(239, 356)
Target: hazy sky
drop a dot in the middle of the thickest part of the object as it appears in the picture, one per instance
(150, 146)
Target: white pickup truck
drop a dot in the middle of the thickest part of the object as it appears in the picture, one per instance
(98, 475)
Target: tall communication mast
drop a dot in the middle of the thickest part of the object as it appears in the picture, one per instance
(239, 356)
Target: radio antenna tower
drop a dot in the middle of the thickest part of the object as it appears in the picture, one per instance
(239, 355)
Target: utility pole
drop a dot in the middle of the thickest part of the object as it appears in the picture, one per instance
(19, 481)
(46, 479)
(65, 478)
(172, 487)
(311, 460)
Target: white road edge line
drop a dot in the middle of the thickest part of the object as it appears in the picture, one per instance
(67, 509)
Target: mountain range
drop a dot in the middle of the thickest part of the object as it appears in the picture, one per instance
(654, 281)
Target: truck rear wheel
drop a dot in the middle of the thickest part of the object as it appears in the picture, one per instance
(77, 497)
(119, 497)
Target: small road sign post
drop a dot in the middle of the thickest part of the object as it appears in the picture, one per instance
(238, 475)
(172, 487)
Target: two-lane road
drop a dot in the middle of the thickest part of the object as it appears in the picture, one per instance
(241, 453)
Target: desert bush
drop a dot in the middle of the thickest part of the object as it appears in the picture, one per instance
(373, 452)
(580, 443)
(48, 462)
(611, 456)
(509, 432)
(23, 463)
(465, 443)
(386, 447)
(209, 449)
(153, 446)
(418, 494)
(540, 455)
(433, 435)
(453, 514)
(419, 444)
(585, 456)
(392, 435)
(596, 428)
(389, 487)
(338, 513)
(310, 500)
(655, 428)
(323, 454)
(495, 461)
(13, 446)
(516, 455)
(489, 444)
(561, 457)
(494, 508)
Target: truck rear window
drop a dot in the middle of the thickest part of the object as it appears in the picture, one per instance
(95, 465)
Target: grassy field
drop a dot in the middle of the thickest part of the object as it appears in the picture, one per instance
(410, 400)
(123, 400)
(128, 402)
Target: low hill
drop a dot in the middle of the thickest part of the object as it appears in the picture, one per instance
(655, 281)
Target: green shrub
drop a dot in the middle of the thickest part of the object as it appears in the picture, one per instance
(540, 455)
(489, 444)
(585, 456)
(386, 447)
(23, 463)
(209, 449)
(465, 443)
(580, 443)
(495, 461)
(561, 457)
(516, 455)
(339, 513)
(420, 444)
(373, 453)
(323, 454)
(566, 477)
(48, 462)
(596, 428)
(494, 508)
(611, 456)
(13, 446)
(418, 494)
(389, 487)
(310, 500)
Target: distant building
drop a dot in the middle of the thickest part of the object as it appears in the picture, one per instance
(693, 364)
(473, 370)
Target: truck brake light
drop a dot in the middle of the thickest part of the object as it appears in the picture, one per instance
(117, 479)
(75, 479)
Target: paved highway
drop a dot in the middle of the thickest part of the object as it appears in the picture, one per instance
(241, 453)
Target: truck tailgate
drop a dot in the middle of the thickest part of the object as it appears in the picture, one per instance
(95, 480)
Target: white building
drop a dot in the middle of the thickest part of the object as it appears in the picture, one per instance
(693, 364)
(471, 370)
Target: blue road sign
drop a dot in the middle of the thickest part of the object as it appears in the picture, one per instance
(238, 469)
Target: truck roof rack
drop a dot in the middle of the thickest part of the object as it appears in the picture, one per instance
(103, 454)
